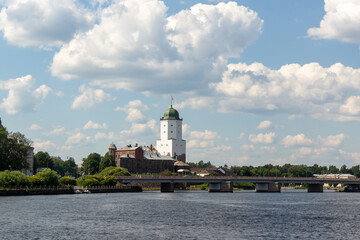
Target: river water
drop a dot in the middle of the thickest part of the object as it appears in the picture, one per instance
(182, 215)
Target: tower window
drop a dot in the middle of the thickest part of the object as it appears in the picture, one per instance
(171, 125)
(164, 132)
(171, 131)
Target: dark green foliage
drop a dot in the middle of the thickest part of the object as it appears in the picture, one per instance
(67, 181)
(289, 170)
(106, 161)
(49, 177)
(200, 164)
(114, 171)
(13, 179)
(109, 181)
(36, 181)
(91, 163)
(65, 168)
(89, 180)
(13, 150)
(168, 173)
(43, 160)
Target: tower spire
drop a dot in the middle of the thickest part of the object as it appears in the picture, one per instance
(171, 100)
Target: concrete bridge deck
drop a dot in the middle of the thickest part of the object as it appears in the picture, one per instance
(225, 183)
(186, 179)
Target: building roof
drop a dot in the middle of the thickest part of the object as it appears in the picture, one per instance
(171, 114)
(112, 146)
(181, 164)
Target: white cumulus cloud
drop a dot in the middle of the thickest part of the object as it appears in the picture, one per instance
(332, 141)
(90, 98)
(40, 145)
(341, 22)
(265, 125)
(328, 93)
(266, 138)
(93, 125)
(297, 140)
(77, 138)
(43, 23)
(21, 95)
(34, 127)
(133, 110)
(136, 46)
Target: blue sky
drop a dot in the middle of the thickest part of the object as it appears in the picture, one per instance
(256, 82)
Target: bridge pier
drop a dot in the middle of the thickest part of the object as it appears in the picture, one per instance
(167, 187)
(268, 187)
(225, 186)
(315, 187)
(352, 188)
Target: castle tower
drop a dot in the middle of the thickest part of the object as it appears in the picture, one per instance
(171, 142)
(112, 149)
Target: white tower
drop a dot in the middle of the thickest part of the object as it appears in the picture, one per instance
(171, 142)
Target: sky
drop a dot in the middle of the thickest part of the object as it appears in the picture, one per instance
(255, 82)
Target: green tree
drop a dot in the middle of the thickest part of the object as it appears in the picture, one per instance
(49, 177)
(58, 165)
(333, 169)
(70, 167)
(343, 169)
(43, 160)
(109, 181)
(13, 150)
(114, 171)
(201, 164)
(13, 179)
(106, 161)
(67, 181)
(91, 163)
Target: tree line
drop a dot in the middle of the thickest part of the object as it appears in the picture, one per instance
(13, 150)
(289, 170)
(50, 177)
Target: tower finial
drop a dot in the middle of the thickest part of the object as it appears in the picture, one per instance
(171, 101)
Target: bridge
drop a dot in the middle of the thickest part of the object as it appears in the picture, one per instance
(225, 183)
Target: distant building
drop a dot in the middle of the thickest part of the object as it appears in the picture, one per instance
(220, 171)
(30, 162)
(142, 159)
(339, 176)
(181, 167)
(171, 143)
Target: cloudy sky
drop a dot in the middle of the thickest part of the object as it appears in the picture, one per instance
(255, 82)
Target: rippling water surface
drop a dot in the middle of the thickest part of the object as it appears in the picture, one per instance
(182, 215)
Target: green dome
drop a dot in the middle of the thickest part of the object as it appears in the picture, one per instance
(171, 114)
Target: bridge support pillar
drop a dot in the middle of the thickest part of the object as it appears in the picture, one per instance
(226, 186)
(268, 187)
(352, 188)
(315, 187)
(167, 187)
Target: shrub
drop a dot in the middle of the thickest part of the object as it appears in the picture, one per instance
(49, 177)
(36, 181)
(89, 180)
(168, 173)
(13, 179)
(109, 181)
(67, 181)
(114, 171)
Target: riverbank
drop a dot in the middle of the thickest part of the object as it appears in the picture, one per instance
(66, 190)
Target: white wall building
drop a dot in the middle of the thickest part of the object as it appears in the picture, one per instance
(171, 142)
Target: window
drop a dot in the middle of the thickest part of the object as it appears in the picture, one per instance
(164, 131)
(171, 125)
(171, 131)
